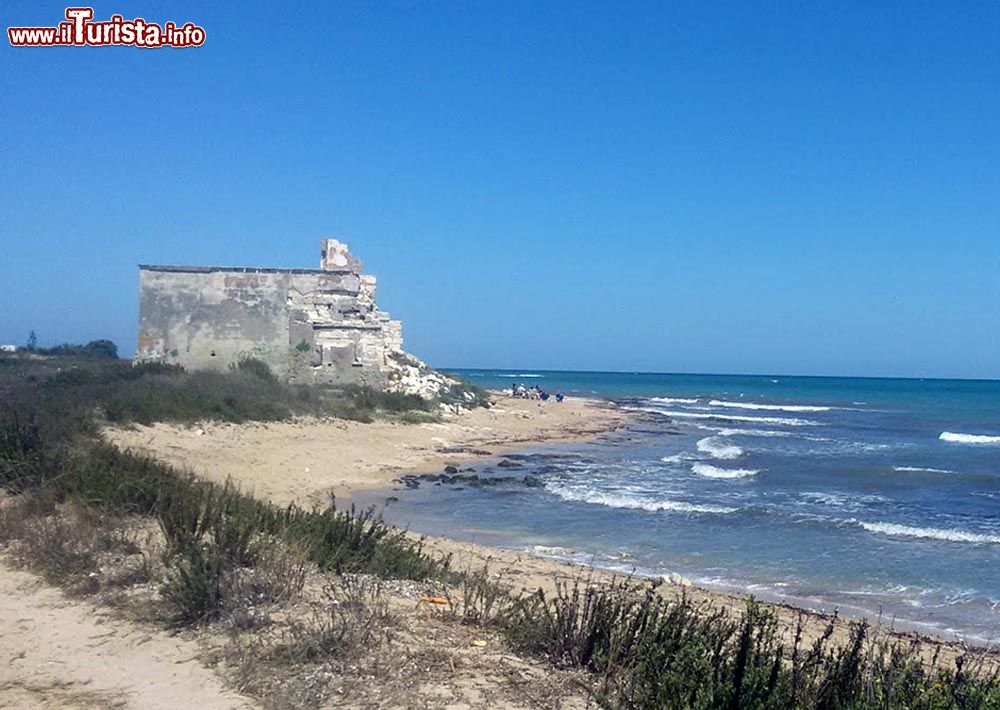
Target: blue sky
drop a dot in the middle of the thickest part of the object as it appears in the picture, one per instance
(681, 187)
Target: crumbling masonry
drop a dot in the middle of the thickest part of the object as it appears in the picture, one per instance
(310, 326)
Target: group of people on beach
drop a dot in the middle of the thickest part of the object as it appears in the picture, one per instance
(521, 392)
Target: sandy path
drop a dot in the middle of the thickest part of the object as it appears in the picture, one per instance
(61, 653)
(302, 460)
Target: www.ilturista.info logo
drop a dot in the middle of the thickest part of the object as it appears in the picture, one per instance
(79, 30)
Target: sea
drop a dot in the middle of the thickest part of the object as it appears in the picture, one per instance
(875, 497)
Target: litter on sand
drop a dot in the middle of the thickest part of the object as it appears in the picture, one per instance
(429, 599)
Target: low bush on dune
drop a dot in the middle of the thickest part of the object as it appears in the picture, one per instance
(465, 394)
(648, 651)
(96, 349)
(59, 388)
(210, 530)
(376, 400)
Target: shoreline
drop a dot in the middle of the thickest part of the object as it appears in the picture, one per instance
(529, 571)
(533, 569)
(273, 460)
(305, 460)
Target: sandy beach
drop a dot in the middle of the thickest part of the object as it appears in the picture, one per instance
(304, 461)
(61, 652)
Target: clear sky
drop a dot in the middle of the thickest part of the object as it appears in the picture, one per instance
(685, 187)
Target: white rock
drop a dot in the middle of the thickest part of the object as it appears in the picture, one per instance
(680, 580)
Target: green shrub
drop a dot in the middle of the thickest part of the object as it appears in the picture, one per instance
(193, 589)
(234, 397)
(255, 367)
(99, 349)
(465, 394)
(21, 450)
(346, 541)
(373, 400)
(64, 394)
(647, 651)
(154, 367)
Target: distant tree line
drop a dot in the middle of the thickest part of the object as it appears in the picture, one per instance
(97, 349)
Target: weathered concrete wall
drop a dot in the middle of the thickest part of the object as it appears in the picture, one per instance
(310, 326)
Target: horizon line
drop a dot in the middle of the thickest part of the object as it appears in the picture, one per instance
(727, 374)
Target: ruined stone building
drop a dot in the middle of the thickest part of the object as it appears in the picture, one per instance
(310, 325)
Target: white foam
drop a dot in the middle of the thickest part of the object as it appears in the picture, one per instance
(552, 551)
(769, 407)
(612, 500)
(523, 374)
(929, 533)
(714, 447)
(959, 438)
(673, 400)
(755, 432)
(867, 446)
(834, 500)
(680, 458)
(780, 421)
(921, 469)
(841, 500)
(704, 469)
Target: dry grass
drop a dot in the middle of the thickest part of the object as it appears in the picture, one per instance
(294, 663)
(73, 545)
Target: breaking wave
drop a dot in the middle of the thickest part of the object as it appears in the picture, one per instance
(552, 550)
(717, 449)
(523, 374)
(959, 438)
(780, 421)
(709, 471)
(680, 458)
(673, 400)
(929, 533)
(921, 469)
(755, 432)
(836, 499)
(612, 500)
(769, 407)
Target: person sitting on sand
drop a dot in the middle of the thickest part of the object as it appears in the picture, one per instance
(559, 396)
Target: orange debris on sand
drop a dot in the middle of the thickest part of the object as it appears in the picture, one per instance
(428, 599)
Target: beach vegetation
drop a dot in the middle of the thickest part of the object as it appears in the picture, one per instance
(649, 650)
(73, 507)
(95, 349)
(118, 392)
(256, 367)
(465, 394)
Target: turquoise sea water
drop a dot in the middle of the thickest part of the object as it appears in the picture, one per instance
(872, 495)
